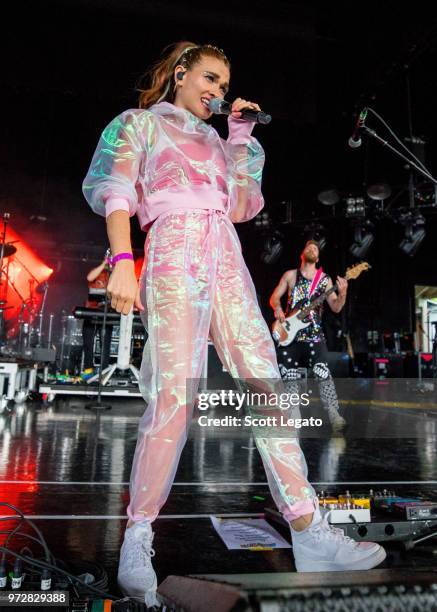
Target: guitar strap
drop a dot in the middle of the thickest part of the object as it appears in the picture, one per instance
(316, 280)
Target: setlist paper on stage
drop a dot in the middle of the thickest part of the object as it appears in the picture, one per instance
(248, 534)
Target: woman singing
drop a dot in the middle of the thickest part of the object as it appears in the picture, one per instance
(187, 186)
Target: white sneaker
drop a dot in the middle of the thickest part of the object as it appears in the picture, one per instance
(337, 421)
(136, 576)
(322, 548)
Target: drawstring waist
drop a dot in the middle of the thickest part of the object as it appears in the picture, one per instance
(210, 215)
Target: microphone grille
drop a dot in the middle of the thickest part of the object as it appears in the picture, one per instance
(354, 144)
(264, 118)
(215, 105)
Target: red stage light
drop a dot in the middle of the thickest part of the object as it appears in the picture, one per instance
(23, 274)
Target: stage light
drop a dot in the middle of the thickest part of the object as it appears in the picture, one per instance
(322, 243)
(363, 239)
(25, 274)
(273, 247)
(262, 220)
(414, 232)
(315, 231)
(355, 207)
(410, 245)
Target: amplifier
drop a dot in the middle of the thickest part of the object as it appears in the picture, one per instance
(418, 365)
(426, 365)
(406, 340)
(391, 342)
(387, 365)
(398, 342)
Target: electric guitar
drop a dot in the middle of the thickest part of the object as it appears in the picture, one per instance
(284, 333)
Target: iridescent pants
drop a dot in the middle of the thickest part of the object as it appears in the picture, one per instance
(195, 283)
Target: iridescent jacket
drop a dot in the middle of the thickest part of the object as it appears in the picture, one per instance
(148, 162)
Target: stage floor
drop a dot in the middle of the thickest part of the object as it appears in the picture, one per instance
(69, 470)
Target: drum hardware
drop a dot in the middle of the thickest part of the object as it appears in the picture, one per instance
(50, 332)
(28, 336)
(98, 406)
(35, 286)
(70, 351)
(6, 250)
(44, 289)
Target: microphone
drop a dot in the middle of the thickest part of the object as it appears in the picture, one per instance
(218, 106)
(355, 141)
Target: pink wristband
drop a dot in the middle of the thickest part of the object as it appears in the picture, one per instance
(121, 256)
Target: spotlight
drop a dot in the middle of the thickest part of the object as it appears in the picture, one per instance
(414, 232)
(315, 231)
(329, 197)
(355, 207)
(322, 242)
(363, 239)
(273, 247)
(262, 220)
(410, 245)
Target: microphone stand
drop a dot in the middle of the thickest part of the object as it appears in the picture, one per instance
(384, 143)
(98, 406)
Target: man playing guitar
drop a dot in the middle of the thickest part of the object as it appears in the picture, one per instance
(308, 349)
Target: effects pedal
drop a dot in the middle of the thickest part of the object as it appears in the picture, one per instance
(416, 511)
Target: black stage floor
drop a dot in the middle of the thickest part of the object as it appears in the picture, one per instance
(69, 470)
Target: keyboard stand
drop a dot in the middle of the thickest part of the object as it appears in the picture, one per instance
(123, 355)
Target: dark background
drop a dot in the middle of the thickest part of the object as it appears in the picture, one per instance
(70, 66)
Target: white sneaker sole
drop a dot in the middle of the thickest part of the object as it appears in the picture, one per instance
(312, 565)
(148, 597)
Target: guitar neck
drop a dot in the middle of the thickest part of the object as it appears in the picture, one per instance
(351, 273)
(317, 301)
